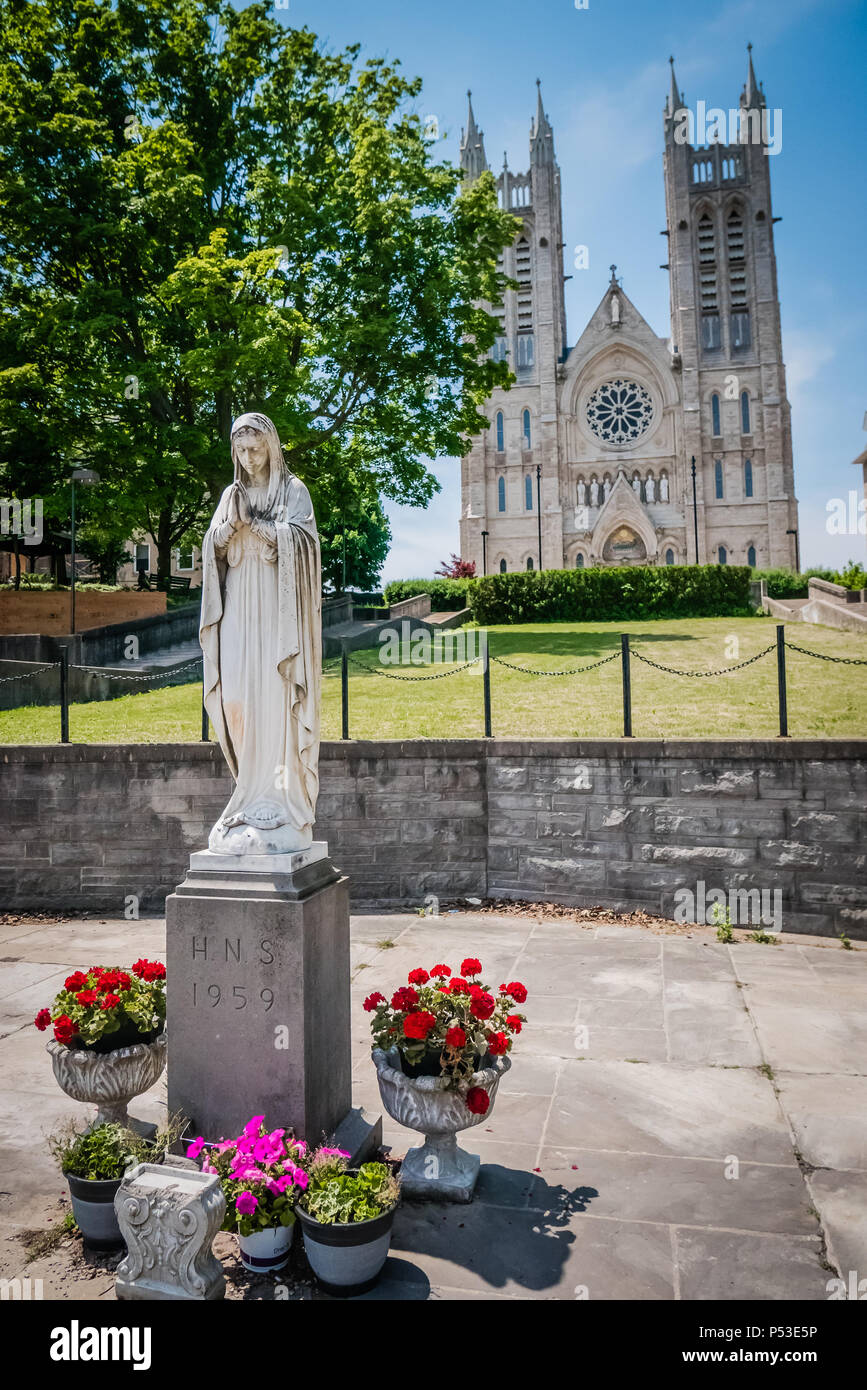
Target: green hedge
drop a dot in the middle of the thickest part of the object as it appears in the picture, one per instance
(783, 583)
(446, 595)
(612, 593)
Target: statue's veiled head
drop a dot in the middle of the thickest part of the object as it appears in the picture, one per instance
(258, 455)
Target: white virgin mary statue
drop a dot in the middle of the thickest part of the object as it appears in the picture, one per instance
(261, 639)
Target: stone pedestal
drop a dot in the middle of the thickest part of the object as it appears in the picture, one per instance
(168, 1218)
(258, 997)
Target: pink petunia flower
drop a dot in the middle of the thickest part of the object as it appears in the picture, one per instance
(246, 1203)
(195, 1148)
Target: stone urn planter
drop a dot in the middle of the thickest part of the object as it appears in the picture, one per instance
(438, 1169)
(108, 1080)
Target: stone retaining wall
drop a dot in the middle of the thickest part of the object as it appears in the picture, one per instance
(617, 823)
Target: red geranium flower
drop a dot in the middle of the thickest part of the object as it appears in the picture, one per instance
(42, 1020)
(371, 1002)
(516, 990)
(418, 977)
(456, 1037)
(513, 1021)
(76, 981)
(477, 1101)
(64, 1029)
(404, 999)
(482, 1006)
(458, 986)
(149, 970)
(86, 997)
(441, 971)
(471, 966)
(498, 1043)
(109, 1001)
(418, 1025)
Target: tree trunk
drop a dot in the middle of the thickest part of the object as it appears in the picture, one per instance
(163, 539)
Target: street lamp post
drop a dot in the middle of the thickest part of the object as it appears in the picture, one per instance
(694, 509)
(80, 475)
(485, 552)
(539, 507)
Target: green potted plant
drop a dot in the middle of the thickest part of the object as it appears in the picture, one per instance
(109, 1039)
(261, 1176)
(94, 1162)
(346, 1216)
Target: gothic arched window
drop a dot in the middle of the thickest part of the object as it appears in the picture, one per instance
(748, 478)
(529, 562)
(528, 439)
(721, 555)
(714, 413)
(579, 561)
(718, 477)
(528, 493)
(501, 494)
(745, 413)
(502, 567)
(501, 435)
(751, 557)
(669, 556)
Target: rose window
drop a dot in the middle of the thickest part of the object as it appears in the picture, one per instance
(619, 411)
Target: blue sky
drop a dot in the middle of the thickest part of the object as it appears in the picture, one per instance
(605, 76)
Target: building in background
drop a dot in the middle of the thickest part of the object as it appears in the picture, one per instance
(603, 434)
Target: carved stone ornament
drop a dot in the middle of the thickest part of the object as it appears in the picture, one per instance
(438, 1169)
(168, 1218)
(108, 1080)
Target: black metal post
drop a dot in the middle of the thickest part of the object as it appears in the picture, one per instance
(781, 681)
(694, 509)
(64, 696)
(486, 688)
(539, 507)
(344, 693)
(627, 685)
(484, 552)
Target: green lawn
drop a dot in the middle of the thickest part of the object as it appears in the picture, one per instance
(825, 699)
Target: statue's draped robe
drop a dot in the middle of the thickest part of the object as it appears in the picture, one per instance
(261, 640)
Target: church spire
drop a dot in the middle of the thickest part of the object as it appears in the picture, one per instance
(675, 98)
(541, 134)
(473, 160)
(752, 95)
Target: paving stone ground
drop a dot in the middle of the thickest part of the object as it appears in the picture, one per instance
(682, 1120)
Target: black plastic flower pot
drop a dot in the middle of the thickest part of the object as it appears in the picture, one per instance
(93, 1209)
(429, 1065)
(347, 1258)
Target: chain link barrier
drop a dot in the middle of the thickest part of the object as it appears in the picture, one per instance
(822, 656)
(390, 675)
(36, 671)
(701, 675)
(112, 674)
(573, 671)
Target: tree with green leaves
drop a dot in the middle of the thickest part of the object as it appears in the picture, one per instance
(203, 212)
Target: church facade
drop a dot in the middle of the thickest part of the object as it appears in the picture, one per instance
(588, 458)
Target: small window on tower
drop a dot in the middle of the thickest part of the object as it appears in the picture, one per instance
(718, 477)
(501, 435)
(751, 557)
(529, 562)
(714, 411)
(710, 335)
(579, 561)
(748, 478)
(528, 442)
(745, 413)
(526, 355)
(502, 567)
(669, 556)
(721, 555)
(528, 493)
(501, 494)
(741, 331)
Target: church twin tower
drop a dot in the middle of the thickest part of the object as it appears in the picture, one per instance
(603, 434)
